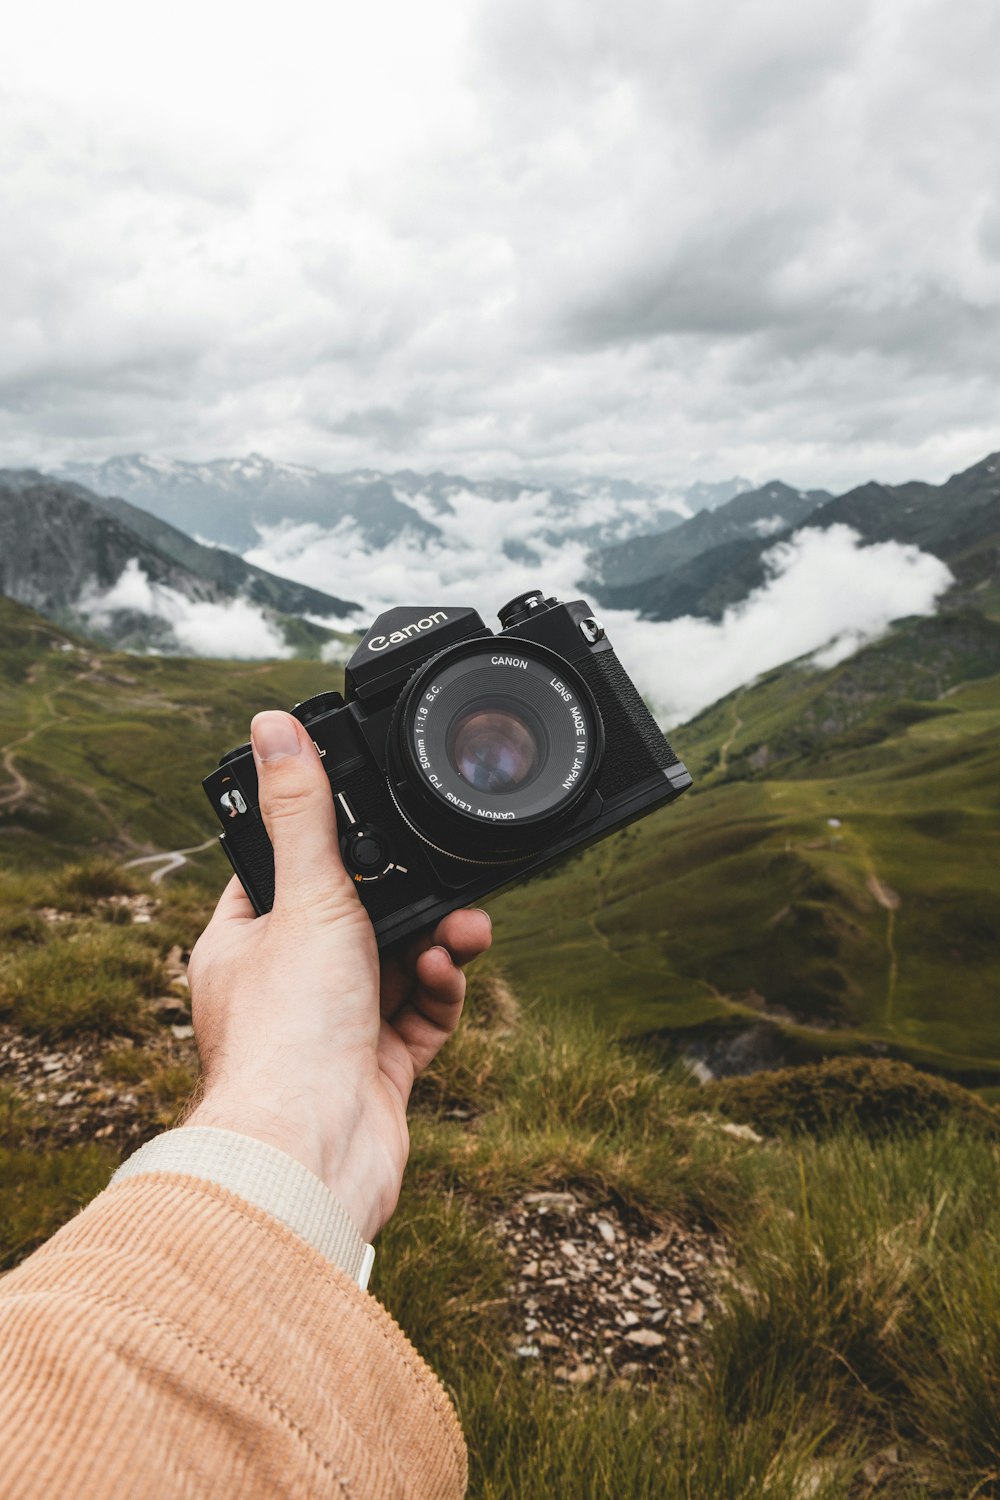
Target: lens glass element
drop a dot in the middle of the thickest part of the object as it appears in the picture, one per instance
(496, 746)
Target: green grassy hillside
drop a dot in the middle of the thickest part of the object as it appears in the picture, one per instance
(832, 882)
(833, 879)
(102, 751)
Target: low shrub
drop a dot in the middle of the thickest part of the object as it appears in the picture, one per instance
(77, 887)
(876, 1096)
(949, 1357)
(183, 911)
(126, 1065)
(172, 1086)
(869, 1288)
(18, 1119)
(19, 927)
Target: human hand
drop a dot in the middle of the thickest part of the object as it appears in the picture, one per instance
(303, 1042)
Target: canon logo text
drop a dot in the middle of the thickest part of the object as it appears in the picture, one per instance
(380, 642)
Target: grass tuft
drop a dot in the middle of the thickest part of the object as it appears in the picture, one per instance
(92, 978)
(874, 1096)
(39, 1191)
(78, 886)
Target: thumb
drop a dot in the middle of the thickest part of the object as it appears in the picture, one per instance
(298, 813)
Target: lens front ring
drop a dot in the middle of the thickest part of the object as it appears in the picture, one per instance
(492, 747)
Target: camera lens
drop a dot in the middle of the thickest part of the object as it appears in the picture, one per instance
(493, 746)
(496, 746)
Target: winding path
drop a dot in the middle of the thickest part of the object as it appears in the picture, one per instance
(14, 795)
(169, 861)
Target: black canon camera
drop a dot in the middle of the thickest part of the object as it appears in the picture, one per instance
(463, 760)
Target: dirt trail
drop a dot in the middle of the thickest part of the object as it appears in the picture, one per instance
(18, 793)
(890, 902)
(170, 860)
(734, 730)
(21, 787)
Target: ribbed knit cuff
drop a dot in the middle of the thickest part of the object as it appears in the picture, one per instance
(266, 1177)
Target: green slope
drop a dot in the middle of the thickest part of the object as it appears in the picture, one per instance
(745, 904)
(100, 750)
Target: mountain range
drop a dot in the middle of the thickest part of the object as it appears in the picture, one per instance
(65, 548)
(711, 562)
(831, 883)
(753, 515)
(227, 501)
(62, 545)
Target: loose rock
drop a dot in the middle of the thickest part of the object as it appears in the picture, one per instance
(611, 1293)
(647, 1337)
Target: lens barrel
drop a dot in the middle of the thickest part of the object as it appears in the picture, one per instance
(493, 746)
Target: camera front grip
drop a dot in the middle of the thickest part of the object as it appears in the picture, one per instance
(248, 849)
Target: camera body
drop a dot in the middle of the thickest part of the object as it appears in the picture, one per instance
(461, 760)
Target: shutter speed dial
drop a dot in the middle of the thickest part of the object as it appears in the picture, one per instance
(365, 850)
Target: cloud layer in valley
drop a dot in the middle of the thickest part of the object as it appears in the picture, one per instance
(535, 238)
(826, 592)
(827, 595)
(233, 628)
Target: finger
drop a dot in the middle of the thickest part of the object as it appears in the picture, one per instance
(234, 905)
(465, 934)
(298, 813)
(426, 1023)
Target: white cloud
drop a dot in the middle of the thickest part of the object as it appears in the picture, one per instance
(470, 564)
(235, 628)
(827, 594)
(529, 237)
(769, 525)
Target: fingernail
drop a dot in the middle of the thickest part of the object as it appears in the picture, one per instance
(274, 736)
(485, 914)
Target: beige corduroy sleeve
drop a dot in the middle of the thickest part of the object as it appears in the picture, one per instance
(174, 1340)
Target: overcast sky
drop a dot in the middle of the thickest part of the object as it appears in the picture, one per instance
(538, 237)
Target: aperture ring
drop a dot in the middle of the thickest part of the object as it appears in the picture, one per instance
(511, 859)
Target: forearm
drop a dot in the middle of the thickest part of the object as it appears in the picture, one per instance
(176, 1339)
